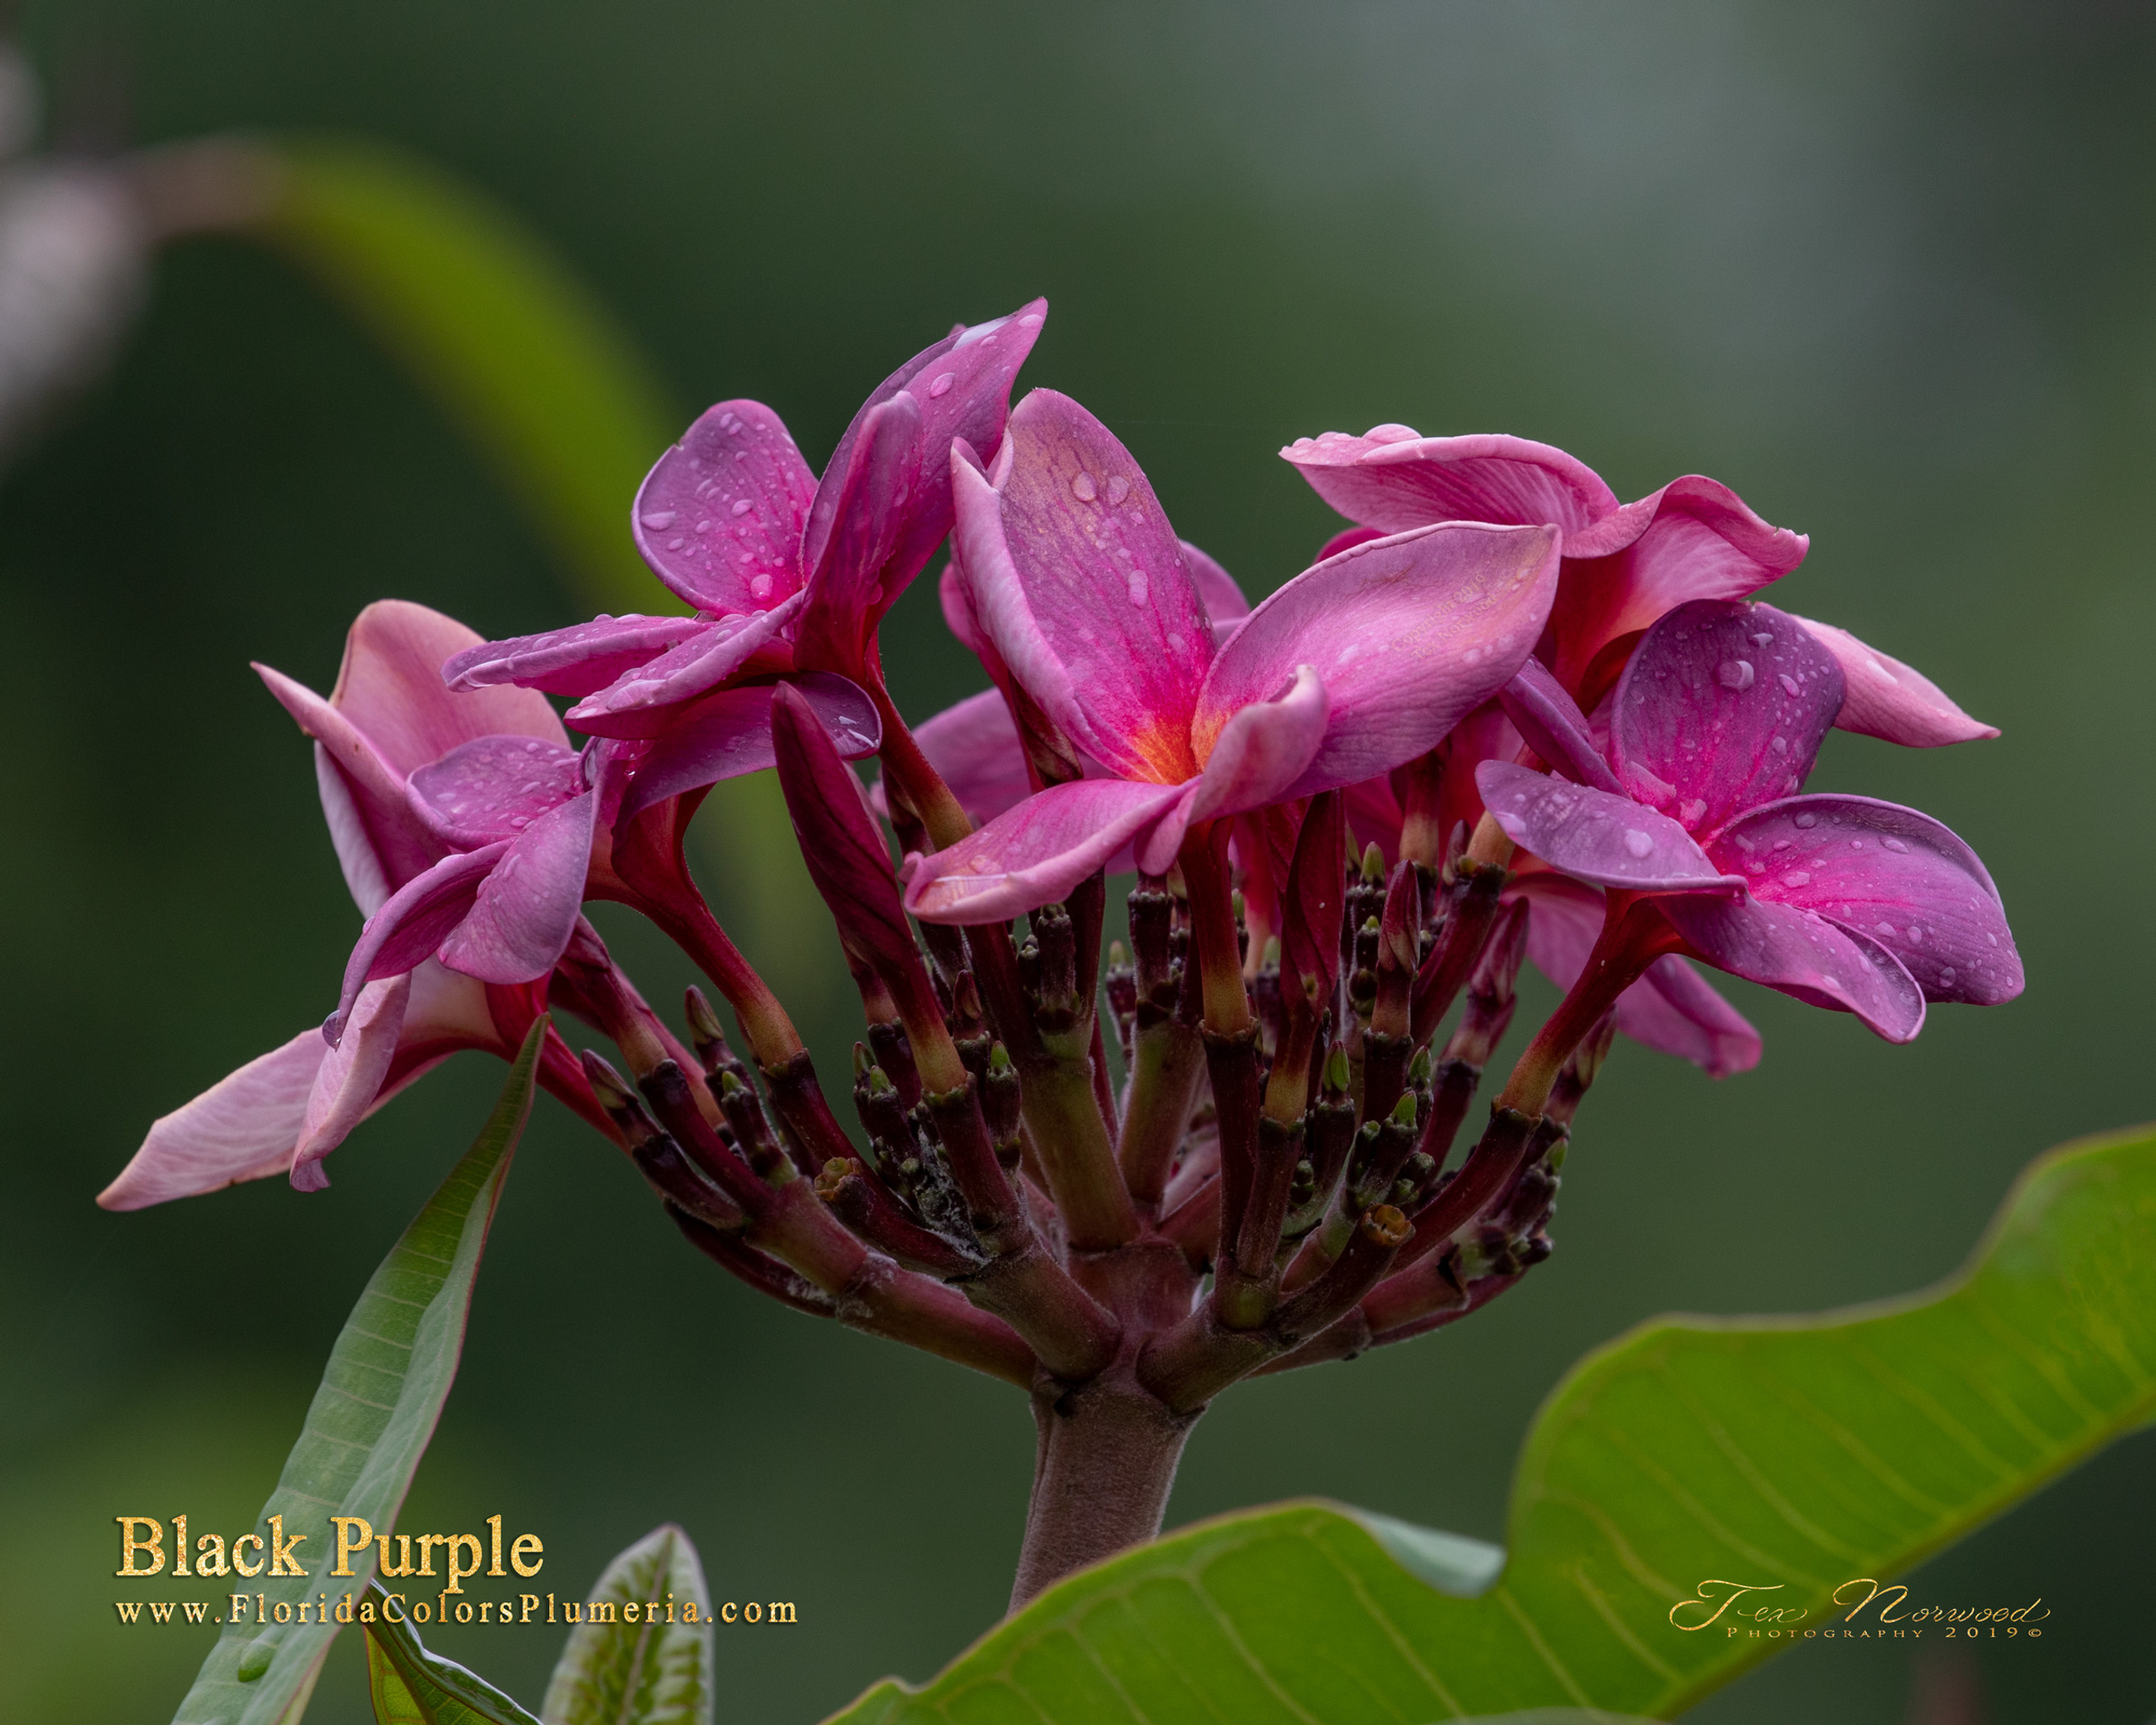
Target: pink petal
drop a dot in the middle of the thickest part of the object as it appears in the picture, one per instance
(494, 788)
(391, 687)
(528, 904)
(1078, 580)
(1036, 853)
(580, 660)
(975, 747)
(848, 858)
(242, 1127)
(416, 919)
(351, 1078)
(380, 842)
(961, 389)
(1409, 634)
(1554, 727)
(727, 735)
(1889, 699)
(1802, 955)
(643, 701)
(1222, 593)
(720, 518)
(1263, 749)
(884, 486)
(1394, 479)
(1595, 836)
(1672, 1008)
(1723, 707)
(1693, 539)
(1890, 874)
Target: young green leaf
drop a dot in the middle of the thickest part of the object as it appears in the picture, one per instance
(501, 332)
(1791, 1454)
(439, 1692)
(383, 1390)
(644, 1672)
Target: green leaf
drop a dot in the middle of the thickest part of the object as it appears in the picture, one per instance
(436, 1690)
(383, 1391)
(500, 331)
(1796, 1454)
(640, 1673)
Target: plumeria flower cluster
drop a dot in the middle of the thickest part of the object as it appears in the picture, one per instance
(1502, 719)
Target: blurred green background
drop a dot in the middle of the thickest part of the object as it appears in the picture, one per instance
(1885, 268)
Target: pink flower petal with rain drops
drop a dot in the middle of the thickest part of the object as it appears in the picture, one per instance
(1394, 478)
(1596, 836)
(1034, 854)
(493, 787)
(1890, 700)
(575, 661)
(1802, 955)
(720, 517)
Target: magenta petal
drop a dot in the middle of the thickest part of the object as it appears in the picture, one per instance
(727, 735)
(1723, 707)
(1553, 726)
(1391, 478)
(642, 703)
(1078, 580)
(720, 517)
(528, 904)
(391, 687)
(1891, 873)
(580, 660)
(1264, 749)
(418, 918)
(242, 1127)
(1409, 633)
(1672, 1008)
(975, 747)
(494, 788)
(884, 485)
(1800, 954)
(1036, 853)
(1222, 593)
(351, 1078)
(1595, 836)
(1889, 699)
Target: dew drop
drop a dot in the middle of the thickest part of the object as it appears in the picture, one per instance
(1896, 846)
(1638, 843)
(675, 544)
(1082, 488)
(660, 522)
(1735, 674)
(1690, 813)
(1885, 928)
(1118, 489)
(1139, 588)
(1797, 876)
(1763, 640)
(1791, 684)
(1946, 976)
(942, 386)
(743, 507)
(1808, 820)
(1781, 745)
(761, 587)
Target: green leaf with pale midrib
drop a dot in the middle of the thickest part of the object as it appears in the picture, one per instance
(1797, 1451)
(640, 1673)
(513, 345)
(412, 1686)
(383, 1390)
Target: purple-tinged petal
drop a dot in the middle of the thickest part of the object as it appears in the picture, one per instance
(849, 859)
(351, 1078)
(577, 661)
(1553, 726)
(1409, 634)
(1394, 478)
(1034, 854)
(1891, 873)
(380, 842)
(642, 702)
(975, 747)
(885, 484)
(419, 916)
(1265, 748)
(727, 735)
(720, 517)
(528, 904)
(494, 788)
(391, 687)
(961, 388)
(1806, 956)
(1593, 835)
(1889, 699)
(1723, 708)
(1672, 1008)
(1078, 580)
(242, 1127)
(1223, 596)
(1693, 539)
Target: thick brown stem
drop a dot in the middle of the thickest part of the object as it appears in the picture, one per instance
(1106, 1459)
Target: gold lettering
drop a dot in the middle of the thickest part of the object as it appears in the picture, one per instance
(782, 1612)
(460, 1573)
(210, 1555)
(180, 1545)
(403, 1564)
(523, 1545)
(1735, 1590)
(281, 1560)
(153, 1547)
(494, 1545)
(349, 1543)
(241, 1563)
(428, 1541)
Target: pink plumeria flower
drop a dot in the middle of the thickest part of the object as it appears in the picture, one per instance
(788, 574)
(1626, 564)
(1076, 578)
(284, 1112)
(1845, 902)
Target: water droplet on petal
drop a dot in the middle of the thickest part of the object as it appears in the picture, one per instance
(1797, 876)
(1118, 489)
(1885, 928)
(1139, 587)
(1082, 488)
(1896, 846)
(1807, 819)
(1946, 976)
(761, 587)
(943, 384)
(1638, 843)
(1791, 684)
(675, 544)
(1735, 674)
(743, 507)
(660, 522)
